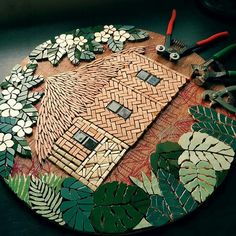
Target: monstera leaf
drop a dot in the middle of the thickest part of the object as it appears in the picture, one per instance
(166, 157)
(203, 147)
(158, 213)
(77, 204)
(118, 207)
(177, 198)
(150, 187)
(199, 179)
(214, 124)
(20, 186)
(45, 201)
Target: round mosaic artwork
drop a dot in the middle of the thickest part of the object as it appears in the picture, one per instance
(100, 134)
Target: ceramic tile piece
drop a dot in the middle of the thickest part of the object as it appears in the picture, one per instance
(124, 113)
(143, 75)
(153, 80)
(113, 106)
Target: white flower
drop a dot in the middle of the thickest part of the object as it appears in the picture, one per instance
(65, 40)
(121, 35)
(5, 141)
(110, 29)
(22, 128)
(101, 37)
(15, 78)
(11, 108)
(81, 40)
(10, 92)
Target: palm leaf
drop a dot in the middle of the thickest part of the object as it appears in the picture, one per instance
(45, 201)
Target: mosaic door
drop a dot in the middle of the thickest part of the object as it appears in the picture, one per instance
(100, 134)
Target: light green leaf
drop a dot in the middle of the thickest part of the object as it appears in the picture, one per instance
(28, 112)
(142, 224)
(150, 187)
(199, 179)
(32, 81)
(45, 201)
(138, 35)
(34, 97)
(53, 181)
(87, 56)
(115, 45)
(55, 54)
(126, 27)
(20, 186)
(203, 147)
(40, 52)
(22, 146)
(6, 162)
(30, 68)
(74, 55)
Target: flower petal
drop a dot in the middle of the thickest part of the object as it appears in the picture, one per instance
(9, 143)
(28, 123)
(2, 147)
(13, 113)
(4, 106)
(18, 106)
(1, 136)
(5, 92)
(7, 137)
(21, 133)
(97, 34)
(122, 39)
(16, 128)
(21, 123)
(6, 113)
(11, 102)
(28, 130)
(98, 40)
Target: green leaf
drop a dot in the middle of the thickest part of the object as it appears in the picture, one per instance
(205, 114)
(87, 56)
(74, 55)
(40, 52)
(178, 199)
(166, 157)
(53, 181)
(138, 35)
(55, 54)
(30, 68)
(214, 124)
(45, 201)
(199, 179)
(158, 213)
(118, 207)
(96, 47)
(126, 27)
(20, 186)
(6, 124)
(77, 204)
(150, 187)
(115, 45)
(32, 81)
(142, 224)
(22, 146)
(6, 162)
(34, 97)
(29, 112)
(203, 147)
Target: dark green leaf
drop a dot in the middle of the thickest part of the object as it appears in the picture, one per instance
(178, 199)
(29, 112)
(126, 27)
(220, 177)
(77, 204)
(32, 81)
(158, 213)
(166, 157)
(118, 207)
(74, 55)
(6, 162)
(96, 47)
(6, 124)
(29, 69)
(138, 35)
(45, 201)
(114, 45)
(22, 146)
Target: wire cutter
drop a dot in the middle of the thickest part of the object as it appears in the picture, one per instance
(217, 97)
(213, 70)
(174, 49)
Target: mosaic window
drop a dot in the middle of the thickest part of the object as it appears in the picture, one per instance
(119, 109)
(86, 140)
(149, 78)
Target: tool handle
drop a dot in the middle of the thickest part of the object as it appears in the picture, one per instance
(212, 38)
(171, 23)
(224, 52)
(232, 74)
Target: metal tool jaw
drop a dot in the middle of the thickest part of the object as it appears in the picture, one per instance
(217, 97)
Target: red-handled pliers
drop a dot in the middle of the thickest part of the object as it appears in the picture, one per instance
(173, 49)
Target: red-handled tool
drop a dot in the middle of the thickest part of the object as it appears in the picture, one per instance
(174, 49)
